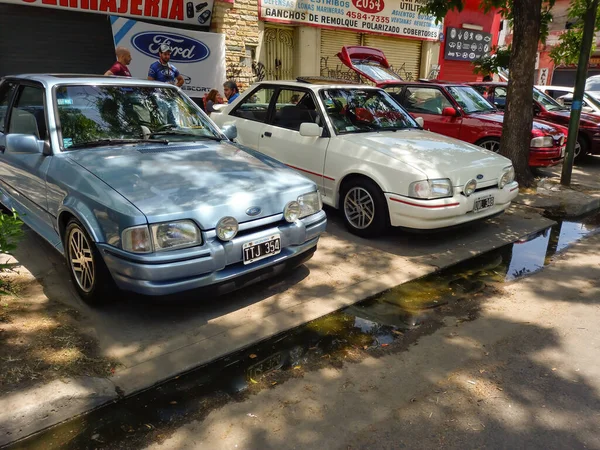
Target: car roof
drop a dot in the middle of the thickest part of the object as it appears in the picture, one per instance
(335, 84)
(50, 80)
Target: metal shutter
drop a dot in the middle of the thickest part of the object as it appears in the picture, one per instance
(404, 55)
(331, 44)
(38, 40)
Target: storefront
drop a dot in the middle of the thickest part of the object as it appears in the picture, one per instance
(319, 29)
(468, 35)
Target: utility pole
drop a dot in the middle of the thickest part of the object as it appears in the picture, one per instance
(582, 67)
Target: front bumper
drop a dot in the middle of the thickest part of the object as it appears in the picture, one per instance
(432, 214)
(546, 157)
(215, 263)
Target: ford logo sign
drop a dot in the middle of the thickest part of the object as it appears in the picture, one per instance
(479, 177)
(184, 49)
(254, 211)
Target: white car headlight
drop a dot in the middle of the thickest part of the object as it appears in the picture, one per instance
(227, 228)
(310, 203)
(508, 176)
(136, 239)
(429, 189)
(176, 234)
(542, 141)
(291, 212)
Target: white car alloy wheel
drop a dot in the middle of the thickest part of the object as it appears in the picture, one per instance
(81, 260)
(359, 207)
(492, 145)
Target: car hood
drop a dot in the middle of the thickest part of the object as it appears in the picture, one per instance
(546, 128)
(435, 155)
(204, 182)
(587, 118)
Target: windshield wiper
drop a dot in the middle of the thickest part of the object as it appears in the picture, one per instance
(103, 142)
(184, 133)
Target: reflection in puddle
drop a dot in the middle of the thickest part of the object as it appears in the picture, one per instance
(373, 323)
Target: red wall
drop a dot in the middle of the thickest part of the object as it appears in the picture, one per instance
(471, 14)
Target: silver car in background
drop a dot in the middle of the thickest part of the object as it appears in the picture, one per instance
(135, 185)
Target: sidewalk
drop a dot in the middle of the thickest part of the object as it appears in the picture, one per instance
(524, 374)
(151, 343)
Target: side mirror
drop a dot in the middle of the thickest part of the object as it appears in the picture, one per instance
(449, 112)
(420, 121)
(230, 131)
(23, 143)
(309, 129)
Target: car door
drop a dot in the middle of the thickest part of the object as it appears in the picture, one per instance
(250, 115)
(24, 174)
(7, 91)
(429, 102)
(280, 138)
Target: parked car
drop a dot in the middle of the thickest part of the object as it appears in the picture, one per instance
(369, 157)
(592, 86)
(549, 110)
(452, 109)
(133, 183)
(564, 96)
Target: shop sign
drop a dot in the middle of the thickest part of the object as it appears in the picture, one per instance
(401, 19)
(466, 45)
(199, 57)
(196, 12)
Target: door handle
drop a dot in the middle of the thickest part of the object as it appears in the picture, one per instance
(268, 134)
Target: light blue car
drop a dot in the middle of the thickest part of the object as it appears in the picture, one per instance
(135, 185)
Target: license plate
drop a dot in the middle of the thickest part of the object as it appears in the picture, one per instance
(262, 248)
(483, 203)
(265, 366)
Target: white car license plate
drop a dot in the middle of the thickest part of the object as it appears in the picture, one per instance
(262, 248)
(483, 203)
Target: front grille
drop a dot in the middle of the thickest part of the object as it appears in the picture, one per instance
(262, 227)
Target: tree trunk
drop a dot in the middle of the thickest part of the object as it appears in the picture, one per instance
(518, 116)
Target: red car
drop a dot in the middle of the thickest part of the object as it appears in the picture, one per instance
(454, 110)
(549, 110)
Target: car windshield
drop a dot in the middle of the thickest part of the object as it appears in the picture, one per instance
(91, 114)
(470, 100)
(376, 71)
(546, 101)
(354, 110)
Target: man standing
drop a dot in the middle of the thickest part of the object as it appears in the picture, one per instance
(164, 71)
(231, 91)
(119, 68)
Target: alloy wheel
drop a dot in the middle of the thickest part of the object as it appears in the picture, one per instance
(359, 207)
(577, 149)
(491, 145)
(81, 260)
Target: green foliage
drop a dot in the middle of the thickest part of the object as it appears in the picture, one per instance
(571, 41)
(10, 233)
(493, 63)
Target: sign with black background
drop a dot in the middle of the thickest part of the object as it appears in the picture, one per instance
(466, 45)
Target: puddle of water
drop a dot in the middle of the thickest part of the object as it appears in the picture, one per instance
(371, 324)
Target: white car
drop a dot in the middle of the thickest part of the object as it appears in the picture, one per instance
(564, 96)
(369, 157)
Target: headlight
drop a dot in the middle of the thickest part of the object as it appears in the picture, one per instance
(310, 204)
(136, 239)
(430, 189)
(542, 141)
(508, 176)
(291, 212)
(227, 228)
(470, 187)
(177, 234)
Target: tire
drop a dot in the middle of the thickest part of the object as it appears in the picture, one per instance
(364, 208)
(91, 278)
(491, 143)
(581, 149)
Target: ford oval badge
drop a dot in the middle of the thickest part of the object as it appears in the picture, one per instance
(184, 49)
(480, 176)
(254, 211)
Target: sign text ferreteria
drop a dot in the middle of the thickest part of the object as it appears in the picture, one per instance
(397, 18)
(196, 12)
